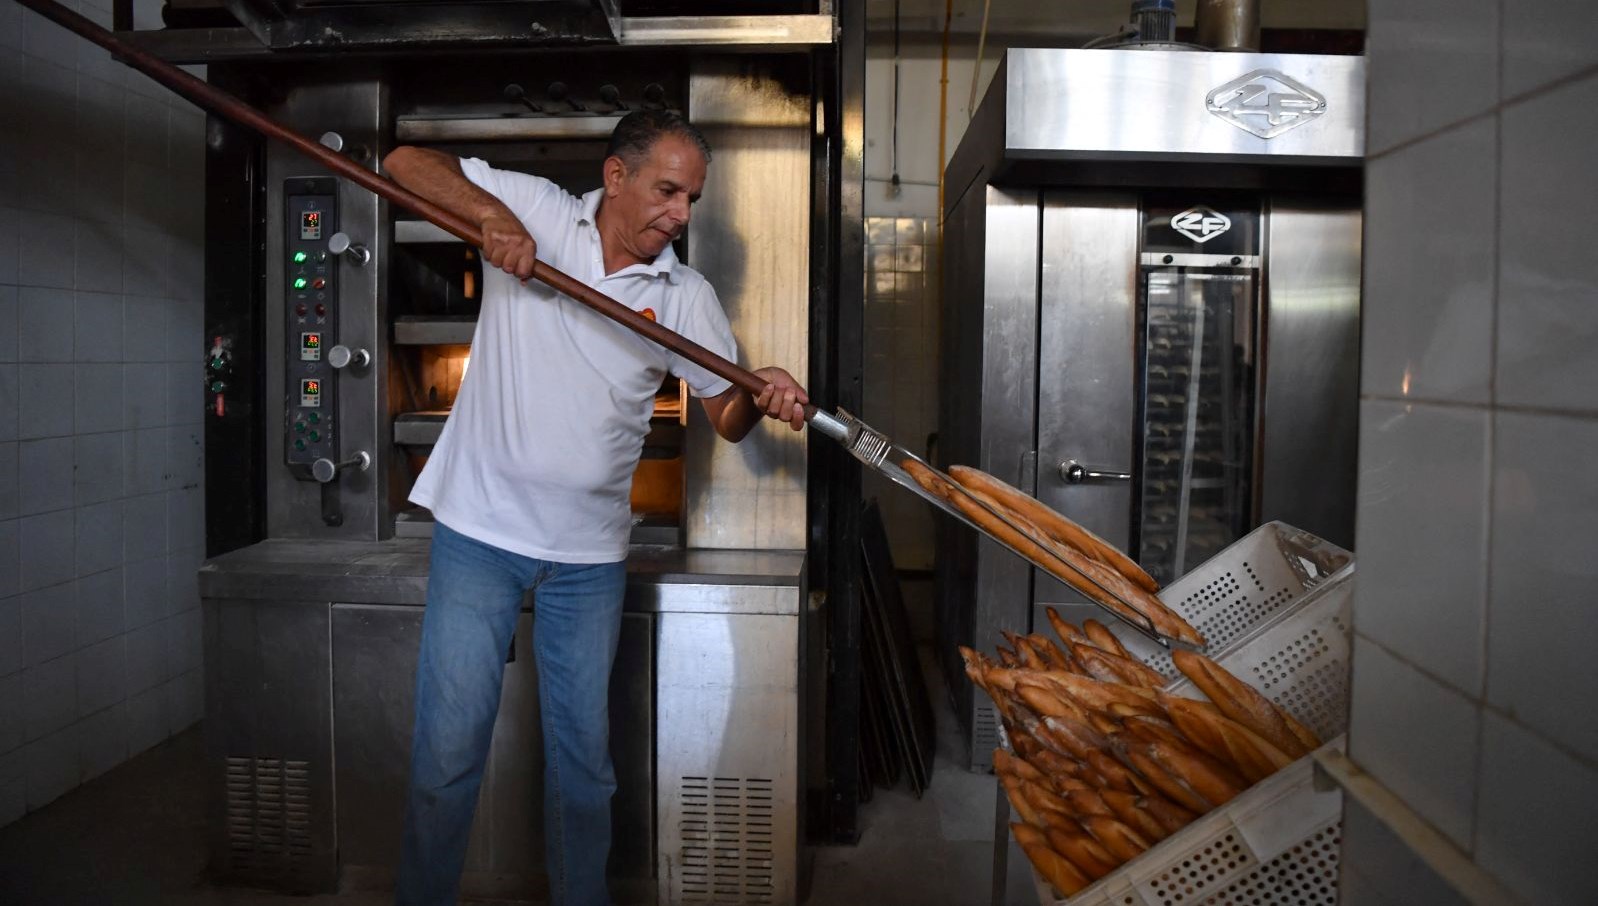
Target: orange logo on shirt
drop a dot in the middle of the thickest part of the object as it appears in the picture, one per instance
(648, 313)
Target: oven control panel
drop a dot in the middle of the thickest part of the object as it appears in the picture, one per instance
(311, 289)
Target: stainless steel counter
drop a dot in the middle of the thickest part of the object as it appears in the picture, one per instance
(310, 662)
(395, 572)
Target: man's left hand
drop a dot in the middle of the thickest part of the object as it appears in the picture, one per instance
(783, 399)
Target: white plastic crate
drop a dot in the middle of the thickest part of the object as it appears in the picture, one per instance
(1276, 843)
(1275, 608)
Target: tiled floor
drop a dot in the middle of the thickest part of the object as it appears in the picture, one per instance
(136, 836)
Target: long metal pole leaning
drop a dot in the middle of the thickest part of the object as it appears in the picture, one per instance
(224, 104)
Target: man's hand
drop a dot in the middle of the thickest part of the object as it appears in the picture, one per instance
(508, 246)
(783, 399)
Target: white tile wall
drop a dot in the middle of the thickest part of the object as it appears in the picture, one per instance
(101, 183)
(1393, 705)
(1543, 611)
(1431, 63)
(1548, 297)
(1493, 499)
(1438, 344)
(1546, 40)
(1538, 821)
(1423, 506)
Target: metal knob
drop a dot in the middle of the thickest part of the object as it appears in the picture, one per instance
(340, 244)
(1074, 472)
(342, 356)
(611, 95)
(335, 142)
(325, 470)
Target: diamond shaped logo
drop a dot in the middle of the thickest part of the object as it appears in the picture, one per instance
(1201, 224)
(1266, 103)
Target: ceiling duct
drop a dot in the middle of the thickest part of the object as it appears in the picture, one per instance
(1228, 24)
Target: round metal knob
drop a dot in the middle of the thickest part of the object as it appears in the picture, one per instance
(340, 244)
(325, 470)
(342, 356)
(332, 140)
(1073, 472)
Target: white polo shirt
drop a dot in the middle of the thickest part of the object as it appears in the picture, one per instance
(537, 455)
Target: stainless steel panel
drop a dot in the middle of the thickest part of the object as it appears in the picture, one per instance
(503, 128)
(1310, 417)
(434, 331)
(269, 744)
(1087, 367)
(375, 650)
(421, 231)
(750, 238)
(727, 762)
(1154, 259)
(356, 109)
(798, 31)
(419, 428)
(776, 600)
(1113, 104)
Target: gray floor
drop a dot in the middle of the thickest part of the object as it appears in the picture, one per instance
(136, 836)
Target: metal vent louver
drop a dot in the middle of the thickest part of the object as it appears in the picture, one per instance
(726, 856)
(985, 736)
(268, 804)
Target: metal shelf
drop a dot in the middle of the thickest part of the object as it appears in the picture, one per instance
(420, 429)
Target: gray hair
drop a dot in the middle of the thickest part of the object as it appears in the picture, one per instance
(638, 131)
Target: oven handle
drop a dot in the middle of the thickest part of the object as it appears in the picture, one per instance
(224, 104)
(1073, 472)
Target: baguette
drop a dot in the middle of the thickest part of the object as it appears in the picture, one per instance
(1123, 842)
(1206, 727)
(1132, 672)
(1209, 778)
(1168, 784)
(1168, 814)
(1052, 654)
(1019, 802)
(1129, 807)
(1067, 632)
(1101, 636)
(1087, 802)
(1047, 701)
(1083, 851)
(1060, 528)
(1239, 701)
(1005, 763)
(1067, 879)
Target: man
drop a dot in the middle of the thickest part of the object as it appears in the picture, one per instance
(529, 482)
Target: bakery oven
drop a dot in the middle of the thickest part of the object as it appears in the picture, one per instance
(358, 320)
(1151, 315)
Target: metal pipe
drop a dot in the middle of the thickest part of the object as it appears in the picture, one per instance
(224, 104)
(1228, 24)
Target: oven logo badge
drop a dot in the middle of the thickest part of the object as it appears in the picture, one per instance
(1201, 224)
(1265, 103)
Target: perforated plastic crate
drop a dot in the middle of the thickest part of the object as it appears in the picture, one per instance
(1277, 843)
(1275, 608)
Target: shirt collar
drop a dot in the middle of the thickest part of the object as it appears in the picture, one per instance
(665, 263)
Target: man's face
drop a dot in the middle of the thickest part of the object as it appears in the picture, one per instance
(652, 202)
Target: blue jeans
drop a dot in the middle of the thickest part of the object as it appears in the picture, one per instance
(474, 594)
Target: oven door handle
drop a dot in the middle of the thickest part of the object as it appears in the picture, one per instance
(1073, 472)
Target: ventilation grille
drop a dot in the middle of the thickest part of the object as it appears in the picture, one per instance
(268, 817)
(1224, 609)
(984, 736)
(1200, 873)
(1305, 875)
(726, 856)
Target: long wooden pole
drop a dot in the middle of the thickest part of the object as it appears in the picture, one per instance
(223, 104)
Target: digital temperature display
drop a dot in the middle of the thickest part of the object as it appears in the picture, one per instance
(310, 224)
(310, 347)
(311, 393)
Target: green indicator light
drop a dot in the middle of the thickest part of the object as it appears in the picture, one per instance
(315, 418)
(299, 445)
(315, 436)
(299, 257)
(300, 282)
(300, 427)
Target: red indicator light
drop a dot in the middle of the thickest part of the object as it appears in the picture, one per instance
(320, 309)
(318, 283)
(300, 309)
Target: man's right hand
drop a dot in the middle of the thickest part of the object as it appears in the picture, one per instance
(508, 246)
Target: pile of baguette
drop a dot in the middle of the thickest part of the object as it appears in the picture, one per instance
(1105, 763)
(1065, 549)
